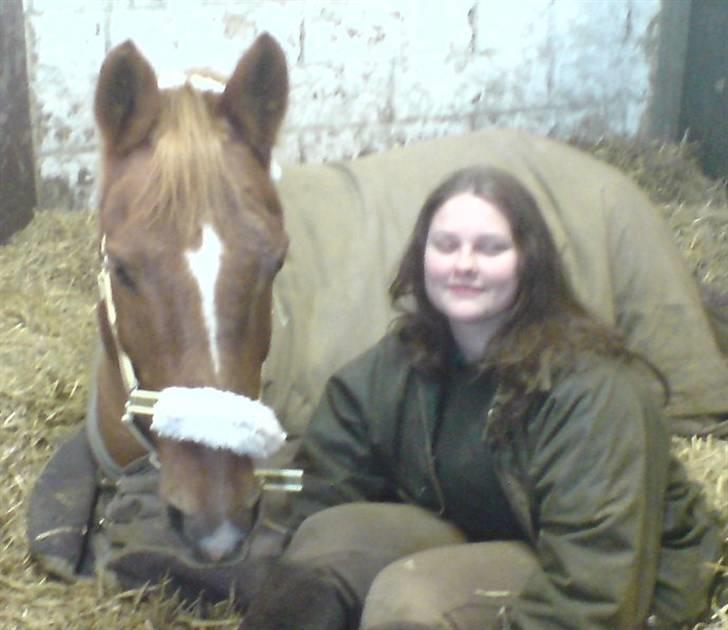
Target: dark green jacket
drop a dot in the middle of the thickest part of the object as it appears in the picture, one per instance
(618, 530)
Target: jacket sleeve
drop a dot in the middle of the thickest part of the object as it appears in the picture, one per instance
(597, 473)
(336, 454)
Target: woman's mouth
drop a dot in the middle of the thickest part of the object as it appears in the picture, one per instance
(464, 290)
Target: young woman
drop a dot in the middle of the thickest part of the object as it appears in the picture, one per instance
(498, 460)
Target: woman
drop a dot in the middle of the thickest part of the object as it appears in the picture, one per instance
(498, 460)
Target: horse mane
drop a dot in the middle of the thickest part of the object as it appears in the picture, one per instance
(189, 177)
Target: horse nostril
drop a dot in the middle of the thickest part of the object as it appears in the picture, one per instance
(176, 519)
(222, 542)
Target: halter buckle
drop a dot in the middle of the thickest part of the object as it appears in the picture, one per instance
(281, 479)
(141, 403)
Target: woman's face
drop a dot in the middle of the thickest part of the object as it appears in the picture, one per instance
(471, 261)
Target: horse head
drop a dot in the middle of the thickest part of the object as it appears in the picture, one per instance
(192, 236)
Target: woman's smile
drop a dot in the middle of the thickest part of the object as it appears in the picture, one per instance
(464, 290)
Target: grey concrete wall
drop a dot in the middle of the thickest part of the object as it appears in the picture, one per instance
(365, 75)
(17, 180)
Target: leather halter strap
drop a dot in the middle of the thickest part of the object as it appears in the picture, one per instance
(139, 401)
(106, 462)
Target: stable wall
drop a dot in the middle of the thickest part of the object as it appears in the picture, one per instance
(365, 75)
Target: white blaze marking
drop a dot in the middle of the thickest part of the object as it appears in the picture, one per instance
(204, 264)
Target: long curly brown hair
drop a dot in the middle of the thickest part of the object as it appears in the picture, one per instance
(547, 328)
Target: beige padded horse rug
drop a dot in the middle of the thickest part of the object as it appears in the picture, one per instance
(348, 223)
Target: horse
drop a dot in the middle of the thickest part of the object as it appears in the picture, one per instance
(191, 235)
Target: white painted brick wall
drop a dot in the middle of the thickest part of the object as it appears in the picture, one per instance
(365, 74)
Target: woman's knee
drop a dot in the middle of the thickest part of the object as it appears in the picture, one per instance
(403, 593)
(352, 543)
(391, 527)
(459, 586)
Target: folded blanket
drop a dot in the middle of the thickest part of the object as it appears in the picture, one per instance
(79, 523)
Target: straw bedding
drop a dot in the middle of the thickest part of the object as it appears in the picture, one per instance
(47, 327)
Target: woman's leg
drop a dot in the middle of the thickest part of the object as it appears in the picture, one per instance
(326, 571)
(357, 540)
(460, 587)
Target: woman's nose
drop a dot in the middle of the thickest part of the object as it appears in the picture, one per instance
(465, 260)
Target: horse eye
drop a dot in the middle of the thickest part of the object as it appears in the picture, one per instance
(273, 265)
(121, 272)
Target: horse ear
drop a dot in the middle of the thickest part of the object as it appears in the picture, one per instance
(256, 95)
(127, 99)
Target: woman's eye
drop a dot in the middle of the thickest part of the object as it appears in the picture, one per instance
(444, 244)
(492, 249)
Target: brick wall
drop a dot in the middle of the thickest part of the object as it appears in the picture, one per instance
(365, 74)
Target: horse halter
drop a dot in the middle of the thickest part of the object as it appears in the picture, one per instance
(173, 409)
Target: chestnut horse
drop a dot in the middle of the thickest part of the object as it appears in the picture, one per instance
(192, 236)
